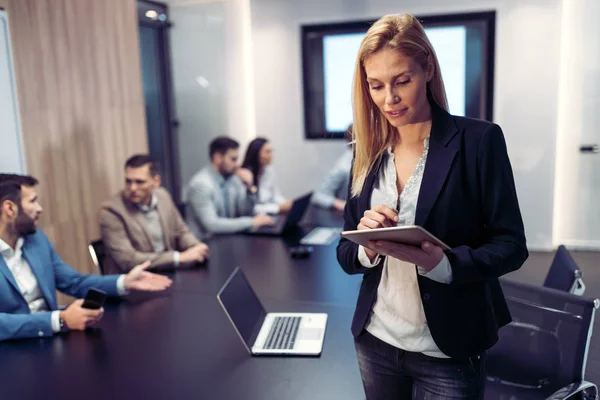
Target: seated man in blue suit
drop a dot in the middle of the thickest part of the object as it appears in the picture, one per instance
(31, 271)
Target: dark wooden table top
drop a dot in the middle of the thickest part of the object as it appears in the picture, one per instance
(180, 344)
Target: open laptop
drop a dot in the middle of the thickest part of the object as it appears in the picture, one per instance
(268, 334)
(287, 222)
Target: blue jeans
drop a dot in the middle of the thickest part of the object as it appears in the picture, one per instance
(389, 373)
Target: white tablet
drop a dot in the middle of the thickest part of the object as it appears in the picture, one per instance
(411, 235)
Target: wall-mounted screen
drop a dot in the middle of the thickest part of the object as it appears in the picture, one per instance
(464, 44)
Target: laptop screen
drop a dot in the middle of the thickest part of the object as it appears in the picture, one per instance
(242, 306)
(297, 212)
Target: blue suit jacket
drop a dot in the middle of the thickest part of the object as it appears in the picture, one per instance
(468, 200)
(16, 321)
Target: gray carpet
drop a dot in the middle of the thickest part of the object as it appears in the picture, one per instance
(534, 271)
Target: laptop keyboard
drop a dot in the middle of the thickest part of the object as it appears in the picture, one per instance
(282, 335)
(279, 223)
(321, 236)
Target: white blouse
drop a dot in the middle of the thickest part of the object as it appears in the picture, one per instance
(397, 317)
(269, 195)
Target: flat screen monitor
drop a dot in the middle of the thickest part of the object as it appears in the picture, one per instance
(464, 45)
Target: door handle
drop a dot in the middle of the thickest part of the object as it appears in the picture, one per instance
(589, 148)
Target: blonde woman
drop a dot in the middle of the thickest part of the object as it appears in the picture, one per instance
(424, 316)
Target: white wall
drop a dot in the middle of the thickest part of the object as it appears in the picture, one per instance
(577, 190)
(11, 143)
(525, 95)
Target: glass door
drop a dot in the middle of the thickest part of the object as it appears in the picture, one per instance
(157, 85)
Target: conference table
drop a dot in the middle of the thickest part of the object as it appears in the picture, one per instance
(180, 345)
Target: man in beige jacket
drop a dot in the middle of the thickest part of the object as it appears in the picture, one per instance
(142, 223)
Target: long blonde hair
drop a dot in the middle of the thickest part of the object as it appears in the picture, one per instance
(372, 133)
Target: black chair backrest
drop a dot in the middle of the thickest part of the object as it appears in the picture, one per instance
(98, 254)
(545, 347)
(181, 207)
(563, 273)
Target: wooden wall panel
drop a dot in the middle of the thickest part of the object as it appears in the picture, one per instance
(82, 108)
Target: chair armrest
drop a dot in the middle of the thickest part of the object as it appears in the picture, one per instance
(578, 287)
(572, 389)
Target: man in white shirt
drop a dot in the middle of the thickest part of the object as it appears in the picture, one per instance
(31, 271)
(333, 191)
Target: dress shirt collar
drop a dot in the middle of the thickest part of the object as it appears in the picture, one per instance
(220, 179)
(7, 251)
(152, 206)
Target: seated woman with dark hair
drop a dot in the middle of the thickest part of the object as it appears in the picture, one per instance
(259, 156)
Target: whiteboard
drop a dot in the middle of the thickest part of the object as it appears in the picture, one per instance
(12, 158)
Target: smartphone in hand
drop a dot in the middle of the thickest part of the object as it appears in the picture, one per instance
(94, 299)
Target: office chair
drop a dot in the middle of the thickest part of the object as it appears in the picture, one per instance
(181, 207)
(98, 253)
(542, 354)
(564, 274)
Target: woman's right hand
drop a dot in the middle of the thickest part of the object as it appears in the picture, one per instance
(246, 176)
(380, 216)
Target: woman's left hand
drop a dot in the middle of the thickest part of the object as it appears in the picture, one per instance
(428, 256)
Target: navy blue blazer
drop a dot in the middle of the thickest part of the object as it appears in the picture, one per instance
(16, 321)
(468, 200)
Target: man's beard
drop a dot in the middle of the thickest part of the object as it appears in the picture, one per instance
(24, 224)
(225, 174)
